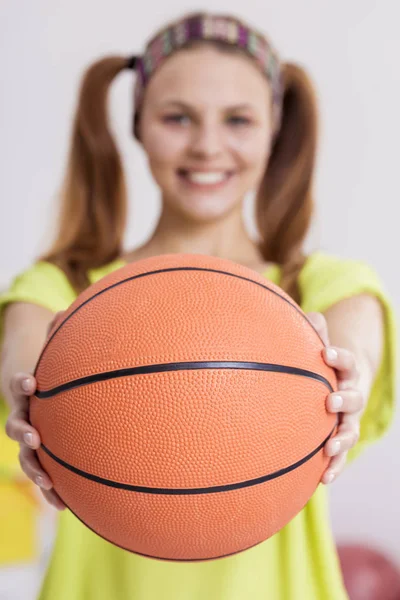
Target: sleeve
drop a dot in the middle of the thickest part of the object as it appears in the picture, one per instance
(46, 285)
(324, 281)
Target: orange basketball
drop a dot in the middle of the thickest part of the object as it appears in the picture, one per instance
(181, 407)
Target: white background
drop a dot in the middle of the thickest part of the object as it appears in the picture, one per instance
(351, 49)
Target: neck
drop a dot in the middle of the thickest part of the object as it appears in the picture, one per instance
(226, 238)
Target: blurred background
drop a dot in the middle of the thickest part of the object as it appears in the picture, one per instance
(351, 49)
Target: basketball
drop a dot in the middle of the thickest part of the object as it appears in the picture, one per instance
(181, 407)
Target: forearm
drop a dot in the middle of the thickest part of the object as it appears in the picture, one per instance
(367, 373)
(19, 355)
(356, 324)
(22, 344)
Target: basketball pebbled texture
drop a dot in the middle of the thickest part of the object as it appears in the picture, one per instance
(181, 407)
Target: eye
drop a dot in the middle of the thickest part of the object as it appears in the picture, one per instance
(176, 118)
(238, 120)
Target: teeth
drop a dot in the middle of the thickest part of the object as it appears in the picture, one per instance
(206, 178)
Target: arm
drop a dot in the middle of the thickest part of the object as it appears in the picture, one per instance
(25, 330)
(354, 329)
(357, 324)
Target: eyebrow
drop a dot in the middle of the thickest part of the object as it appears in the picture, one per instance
(180, 104)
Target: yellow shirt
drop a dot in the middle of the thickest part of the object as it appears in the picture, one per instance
(299, 562)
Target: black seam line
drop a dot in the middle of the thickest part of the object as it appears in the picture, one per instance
(171, 269)
(188, 491)
(180, 366)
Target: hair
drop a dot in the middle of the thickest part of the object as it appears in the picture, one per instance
(93, 210)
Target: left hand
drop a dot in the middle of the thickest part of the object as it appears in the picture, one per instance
(348, 401)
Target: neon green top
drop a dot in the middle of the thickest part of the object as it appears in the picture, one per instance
(298, 562)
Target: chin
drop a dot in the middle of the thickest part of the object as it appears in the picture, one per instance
(203, 209)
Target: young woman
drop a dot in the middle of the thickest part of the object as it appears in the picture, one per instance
(218, 115)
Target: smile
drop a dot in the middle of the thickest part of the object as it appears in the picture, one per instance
(205, 178)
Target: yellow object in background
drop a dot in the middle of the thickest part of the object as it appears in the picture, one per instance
(19, 513)
(9, 463)
(19, 506)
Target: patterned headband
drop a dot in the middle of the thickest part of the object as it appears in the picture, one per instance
(210, 27)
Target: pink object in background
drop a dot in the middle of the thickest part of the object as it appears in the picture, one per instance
(369, 574)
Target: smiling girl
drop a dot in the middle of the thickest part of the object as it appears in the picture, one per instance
(218, 115)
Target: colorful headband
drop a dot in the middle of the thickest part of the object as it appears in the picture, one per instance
(210, 27)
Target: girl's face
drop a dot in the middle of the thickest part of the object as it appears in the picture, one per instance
(205, 126)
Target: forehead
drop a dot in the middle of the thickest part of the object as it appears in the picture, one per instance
(208, 76)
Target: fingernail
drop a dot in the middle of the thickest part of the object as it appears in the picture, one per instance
(334, 448)
(336, 401)
(28, 438)
(330, 477)
(26, 385)
(331, 354)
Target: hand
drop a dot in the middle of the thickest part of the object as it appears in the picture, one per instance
(18, 428)
(348, 402)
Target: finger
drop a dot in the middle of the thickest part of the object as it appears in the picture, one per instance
(319, 322)
(336, 466)
(343, 361)
(349, 401)
(345, 439)
(32, 468)
(22, 385)
(351, 422)
(53, 498)
(18, 429)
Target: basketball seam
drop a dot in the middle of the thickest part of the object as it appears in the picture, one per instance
(189, 491)
(179, 366)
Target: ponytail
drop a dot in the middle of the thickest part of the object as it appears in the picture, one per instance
(93, 210)
(284, 205)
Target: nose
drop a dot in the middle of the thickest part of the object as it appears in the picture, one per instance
(206, 141)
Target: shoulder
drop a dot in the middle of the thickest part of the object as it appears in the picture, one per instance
(327, 278)
(323, 267)
(323, 262)
(47, 285)
(40, 272)
(42, 283)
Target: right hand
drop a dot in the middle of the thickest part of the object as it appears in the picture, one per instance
(18, 428)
